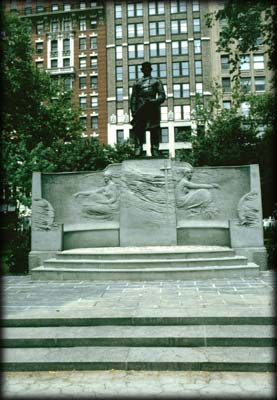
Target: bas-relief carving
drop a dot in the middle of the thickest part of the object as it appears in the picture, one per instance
(102, 203)
(195, 198)
(148, 190)
(43, 215)
(248, 209)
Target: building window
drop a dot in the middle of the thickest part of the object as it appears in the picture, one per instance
(118, 50)
(118, 11)
(54, 63)
(199, 88)
(178, 6)
(259, 84)
(226, 84)
(83, 103)
(94, 122)
(94, 102)
(224, 62)
(135, 10)
(164, 113)
(118, 31)
(227, 104)
(67, 26)
(180, 68)
(82, 43)
(119, 94)
(93, 24)
(181, 90)
(136, 51)
(66, 45)
(119, 73)
(54, 26)
(39, 47)
(196, 24)
(258, 61)
(182, 133)
(40, 28)
(82, 25)
(245, 63)
(180, 47)
(39, 64)
(134, 72)
(197, 46)
(83, 121)
(82, 5)
(157, 49)
(119, 136)
(67, 83)
(93, 82)
(179, 26)
(54, 7)
(245, 83)
(198, 67)
(164, 137)
(82, 62)
(156, 7)
(159, 70)
(135, 30)
(157, 28)
(93, 62)
(180, 114)
(93, 42)
(195, 5)
(54, 48)
(245, 108)
(66, 62)
(82, 82)
(40, 8)
(67, 7)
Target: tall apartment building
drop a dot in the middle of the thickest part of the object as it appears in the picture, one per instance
(97, 48)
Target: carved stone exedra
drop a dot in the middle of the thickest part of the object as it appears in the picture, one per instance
(43, 215)
(248, 209)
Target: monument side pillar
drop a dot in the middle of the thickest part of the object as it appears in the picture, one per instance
(46, 234)
(246, 232)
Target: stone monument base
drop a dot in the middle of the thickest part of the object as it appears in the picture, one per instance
(142, 203)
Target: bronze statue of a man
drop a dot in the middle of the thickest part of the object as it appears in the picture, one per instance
(147, 96)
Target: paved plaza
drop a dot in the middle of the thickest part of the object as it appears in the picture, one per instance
(240, 297)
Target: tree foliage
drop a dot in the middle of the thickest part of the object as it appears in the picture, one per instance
(245, 25)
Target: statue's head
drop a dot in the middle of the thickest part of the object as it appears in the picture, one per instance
(107, 176)
(146, 68)
(184, 170)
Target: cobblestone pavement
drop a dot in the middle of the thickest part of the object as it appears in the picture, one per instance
(23, 297)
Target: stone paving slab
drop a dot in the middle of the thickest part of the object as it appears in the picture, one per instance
(198, 331)
(140, 358)
(240, 297)
(138, 384)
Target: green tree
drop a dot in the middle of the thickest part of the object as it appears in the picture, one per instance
(247, 24)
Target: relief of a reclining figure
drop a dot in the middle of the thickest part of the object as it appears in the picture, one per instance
(192, 196)
(102, 203)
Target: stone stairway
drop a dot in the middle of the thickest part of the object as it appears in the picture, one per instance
(139, 343)
(145, 263)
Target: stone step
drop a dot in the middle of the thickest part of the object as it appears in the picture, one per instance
(56, 320)
(139, 358)
(146, 252)
(144, 264)
(145, 273)
(137, 336)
